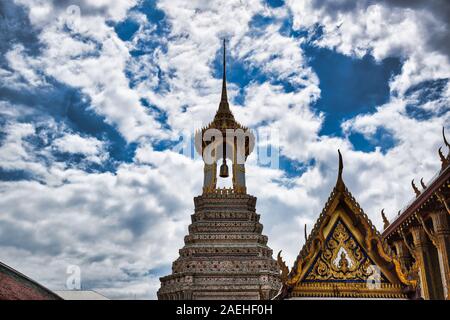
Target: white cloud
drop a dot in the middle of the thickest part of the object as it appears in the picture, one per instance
(42, 12)
(276, 55)
(91, 57)
(382, 30)
(15, 150)
(92, 148)
(114, 226)
(24, 69)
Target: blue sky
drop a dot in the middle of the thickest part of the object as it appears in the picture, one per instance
(95, 97)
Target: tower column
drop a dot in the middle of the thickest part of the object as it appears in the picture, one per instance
(210, 177)
(442, 238)
(239, 178)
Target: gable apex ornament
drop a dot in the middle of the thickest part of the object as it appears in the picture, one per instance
(340, 185)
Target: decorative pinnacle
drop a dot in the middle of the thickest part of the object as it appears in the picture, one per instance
(224, 111)
(445, 139)
(416, 190)
(424, 186)
(224, 97)
(385, 220)
(340, 182)
(445, 160)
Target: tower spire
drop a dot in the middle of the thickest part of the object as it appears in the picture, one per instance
(224, 108)
(224, 97)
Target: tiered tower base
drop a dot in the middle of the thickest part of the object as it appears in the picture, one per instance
(225, 255)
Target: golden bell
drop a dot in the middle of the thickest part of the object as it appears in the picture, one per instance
(224, 170)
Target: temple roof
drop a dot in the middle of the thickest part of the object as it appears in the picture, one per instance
(431, 193)
(342, 217)
(339, 192)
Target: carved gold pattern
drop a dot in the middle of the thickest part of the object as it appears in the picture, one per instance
(342, 259)
(441, 199)
(224, 191)
(428, 232)
(347, 290)
(342, 245)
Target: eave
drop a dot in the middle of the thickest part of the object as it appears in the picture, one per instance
(419, 202)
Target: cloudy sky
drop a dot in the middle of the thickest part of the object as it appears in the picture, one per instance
(96, 95)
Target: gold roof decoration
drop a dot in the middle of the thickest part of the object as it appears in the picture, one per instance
(416, 190)
(424, 186)
(224, 119)
(436, 189)
(344, 255)
(386, 222)
(445, 160)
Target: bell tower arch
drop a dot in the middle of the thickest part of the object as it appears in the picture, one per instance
(224, 141)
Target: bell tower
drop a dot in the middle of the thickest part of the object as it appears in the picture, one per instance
(225, 255)
(224, 141)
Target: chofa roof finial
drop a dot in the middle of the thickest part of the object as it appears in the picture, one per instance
(385, 220)
(340, 182)
(445, 139)
(416, 190)
(444, 160)
(424, 186)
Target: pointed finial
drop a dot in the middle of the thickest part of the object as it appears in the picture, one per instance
(423, 184)
(224, 97)
(445, 139)
(224, 112)
(341, 164)
(385, 220)
(340, 181)
(441, 155)
(416, 190)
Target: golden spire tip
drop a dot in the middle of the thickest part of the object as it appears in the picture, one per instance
(445, 139)
(340, 181)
